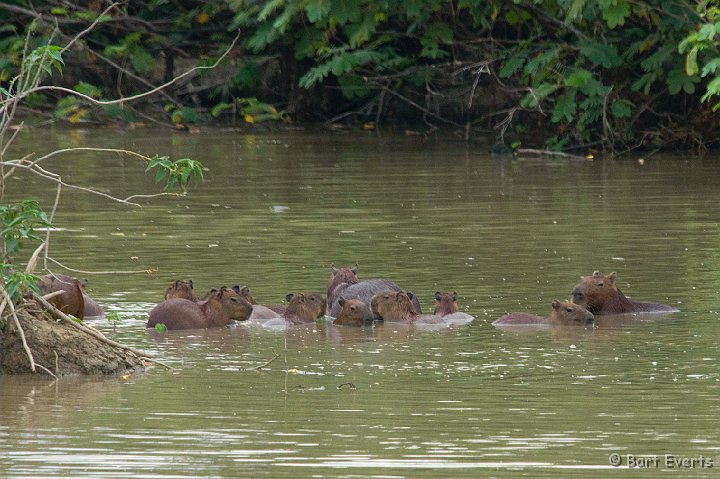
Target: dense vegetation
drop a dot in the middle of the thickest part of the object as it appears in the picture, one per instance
(613, 74)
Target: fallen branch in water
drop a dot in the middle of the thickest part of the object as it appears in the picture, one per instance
(531, 151)
(94, 333)
(258, 368)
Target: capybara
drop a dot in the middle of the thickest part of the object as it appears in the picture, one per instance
(181, 289)
(91, 309)
(563, 313)
(365, 290)
(446, 303)
(398, 306)
(340, 278)
(304, 307)
(221, 308)
(600, 295)
(244, 291)
(71, 301)
(353, 313)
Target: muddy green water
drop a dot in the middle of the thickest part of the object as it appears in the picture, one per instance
(277, 209)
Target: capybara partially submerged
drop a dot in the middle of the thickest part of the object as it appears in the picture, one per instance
(365, 290)
(398, 306)
(220, 308)
(446, 303)
(91, 309)
(71, 301)
(600, 295)
(563, 313)
(304, 307)
(340, 278)
(181, 289)
(353, 313)
(244, 291)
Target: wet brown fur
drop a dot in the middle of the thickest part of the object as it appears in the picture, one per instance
(181, 289)
(304, 307)
(563, 313)
(446, 303)
(600, 295)
(220, 308)
(354, 313)
(72, 301)
(397, 306)
(339, 279)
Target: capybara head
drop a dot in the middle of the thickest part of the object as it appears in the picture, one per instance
(225, 305)
(340, 276)
(244, 291)
(305, 307)
(71, 300)
(354, 312)
(595, 291)
(446, 303)
(569, 314)
(181, 289)
(394, 306)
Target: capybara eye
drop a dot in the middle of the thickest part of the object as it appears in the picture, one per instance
(569, 310)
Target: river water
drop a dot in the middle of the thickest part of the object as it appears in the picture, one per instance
(275, 210)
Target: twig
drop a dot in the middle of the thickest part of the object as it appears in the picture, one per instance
(90, 27)
(67, 319)
(28, 352)
(32, 263)
(532, 151)
(258, 368)
(146, 271)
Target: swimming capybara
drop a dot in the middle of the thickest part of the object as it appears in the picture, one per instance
(91, 309)
(365, 290)
(600, 295)
(398, 306)
(446, 303)
(71, 301)
(353, 313)
(304, 307)
(563, 313)
(244, 291)
(340, 278)
(220, 308)
(181, 289)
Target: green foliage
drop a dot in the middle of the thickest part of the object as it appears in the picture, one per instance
(175, 173)
(19, 221)
(161, 328)
(113, 318)
(15, 283)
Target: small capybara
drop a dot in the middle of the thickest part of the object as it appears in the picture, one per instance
(398, 306)
(446, 303)
(91, 309)
(244, 291)
(563, 313)
(181, 289)
(339, 277)
(220, 308)
(353, 313)
(600, 295)
(304, 307)
(71, 301)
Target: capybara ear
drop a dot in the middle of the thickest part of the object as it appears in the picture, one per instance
(341, 301)
(611, 277)
(556, 304)
(410, 295)
(190, 283)
(289, 297)
(354, 269)
(596, 273)
(334, 269)
(438, 295)
(245, 290)
(236, 288)
(455, 296)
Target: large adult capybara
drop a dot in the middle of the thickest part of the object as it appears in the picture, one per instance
(181, 289)
(304, 307)
(71, 301)
(353, 313)
(600, 295)
(563, 313)
(398, 306)
(363, 290)
(220, 308)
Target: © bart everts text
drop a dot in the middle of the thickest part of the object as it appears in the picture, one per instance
(665, 461)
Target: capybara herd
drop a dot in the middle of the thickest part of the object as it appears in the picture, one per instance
(350, 302)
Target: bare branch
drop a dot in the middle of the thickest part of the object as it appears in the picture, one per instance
(90, 27)
(146, 271)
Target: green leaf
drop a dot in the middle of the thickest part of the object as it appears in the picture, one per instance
(711, 67)
(691, 66)
(600, 54)
(219, 108)
(578, 78)
(614, 12)
(621, 109)
(161, 328)
(316, 10)
(678, 81)
(713, 89)
(513, 64)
